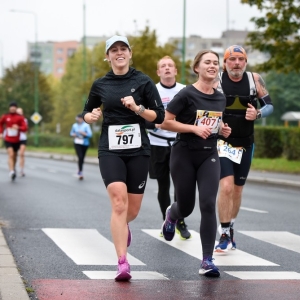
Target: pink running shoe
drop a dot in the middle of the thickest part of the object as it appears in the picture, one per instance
(129, 237)
(123, 273)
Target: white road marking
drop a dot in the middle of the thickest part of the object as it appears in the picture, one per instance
(249, 275)
(86, 246)
(281, 239)
(193, 247)
(135, 275)
(254, 210)
(52, 171)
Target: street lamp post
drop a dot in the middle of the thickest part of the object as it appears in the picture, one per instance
(84, 55)
(36, 86)
(183, 45)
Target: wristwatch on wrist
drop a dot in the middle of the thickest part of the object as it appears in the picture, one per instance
(258, 115)
(141, 110)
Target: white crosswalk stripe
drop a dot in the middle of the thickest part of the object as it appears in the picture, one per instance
(281, 239)
(193, 247)
(89, 247)
(250, 275)
(135, 275)
(86, 246)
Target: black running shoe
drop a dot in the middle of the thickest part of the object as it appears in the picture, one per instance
(181, 229)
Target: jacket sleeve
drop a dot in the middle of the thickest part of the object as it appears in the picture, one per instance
(89, 131)
(93, 100)
(1, 124)
(72, 130)
(149, 125)
(154, 101)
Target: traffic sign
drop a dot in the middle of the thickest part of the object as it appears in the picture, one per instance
(36, 118)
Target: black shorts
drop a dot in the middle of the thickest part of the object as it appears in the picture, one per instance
(15, 146)
(239, 171)
(132, 170)
(159, 164)
(24, 142)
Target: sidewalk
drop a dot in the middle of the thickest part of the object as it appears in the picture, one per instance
(283, 179)
(11, 284)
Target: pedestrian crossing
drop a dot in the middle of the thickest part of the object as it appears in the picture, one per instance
(88, 247)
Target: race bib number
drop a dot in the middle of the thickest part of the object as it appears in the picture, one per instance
(124, 136)
(233, 153)
(12, 132)
(78, 141)
(209, 118)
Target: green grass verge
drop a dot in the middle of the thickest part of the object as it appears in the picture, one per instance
(276, 165)
(260, 164)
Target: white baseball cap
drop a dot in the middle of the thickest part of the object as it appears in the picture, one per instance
(114, 39)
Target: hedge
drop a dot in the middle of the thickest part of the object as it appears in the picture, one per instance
(270, 142)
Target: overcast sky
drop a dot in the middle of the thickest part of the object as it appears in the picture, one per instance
(61, 20)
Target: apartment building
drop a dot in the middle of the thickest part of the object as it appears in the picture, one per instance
(52, 57)
(195, 43)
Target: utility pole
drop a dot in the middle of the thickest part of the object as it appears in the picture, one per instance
(183, 45)
(84, 72)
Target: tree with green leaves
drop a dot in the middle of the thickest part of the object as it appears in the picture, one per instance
(277, 34)
(284, 91)
(18, 85)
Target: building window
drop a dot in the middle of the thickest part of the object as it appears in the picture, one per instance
(191, 46)
(59, 70)
(71, 51)
(60, 60)
(216, 44)
(59, 50)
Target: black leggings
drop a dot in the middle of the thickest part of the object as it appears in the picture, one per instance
(80, 152)
(189, 167)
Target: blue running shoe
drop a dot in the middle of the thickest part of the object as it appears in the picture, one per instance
(168, 227)
(223, 243)
(208, 268)
(233, 243)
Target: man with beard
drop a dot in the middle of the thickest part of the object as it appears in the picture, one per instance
(247, 100)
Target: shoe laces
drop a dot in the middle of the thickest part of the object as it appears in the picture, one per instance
(182, 225)
(123, 264)
(224, 237)
(208, 262)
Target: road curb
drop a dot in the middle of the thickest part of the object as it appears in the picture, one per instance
(94, 160)
(11, 283)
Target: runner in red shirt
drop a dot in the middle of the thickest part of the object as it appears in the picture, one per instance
(13, 124)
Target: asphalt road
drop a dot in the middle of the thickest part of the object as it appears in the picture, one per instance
(57, 229)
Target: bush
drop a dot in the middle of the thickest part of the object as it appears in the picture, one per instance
(50, 140)
(291, 143)
(268, 142)
(56, 140)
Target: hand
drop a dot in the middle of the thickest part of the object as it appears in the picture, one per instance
(225, 130)
(158, 126)
(15, 126)
(202, 131)
(130, 103)
(251, 113)
(95, 114)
